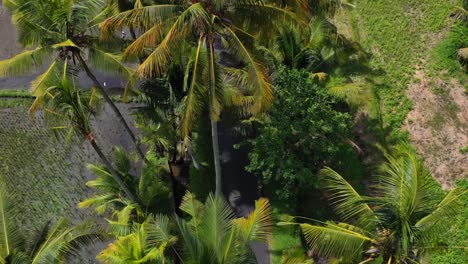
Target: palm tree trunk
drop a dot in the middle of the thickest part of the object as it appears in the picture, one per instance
(214, 123)
(108, 165)
(217, 162)
(111, 104)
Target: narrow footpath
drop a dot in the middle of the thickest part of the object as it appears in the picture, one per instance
(239, 187)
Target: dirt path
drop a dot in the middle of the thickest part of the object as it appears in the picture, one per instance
(238, 184)
(438, 126)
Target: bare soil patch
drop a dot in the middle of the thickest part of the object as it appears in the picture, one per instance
(438, 126)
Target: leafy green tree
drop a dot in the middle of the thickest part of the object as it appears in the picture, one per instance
(202, 23)
(398, 224)
(303, 130)
(52, 31)
(55, 245)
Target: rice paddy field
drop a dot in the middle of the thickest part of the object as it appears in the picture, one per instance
(39, 171)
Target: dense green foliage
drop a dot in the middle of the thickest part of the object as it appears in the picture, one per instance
(304, 130)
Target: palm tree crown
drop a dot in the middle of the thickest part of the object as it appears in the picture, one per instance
(58, 31)
(210, 234)
(397, 224)
(204, 25)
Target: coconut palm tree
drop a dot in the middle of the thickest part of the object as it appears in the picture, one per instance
(397, 224)
(71, 109)
(50, 245)
(211, 234)
(319, 48)
(202, 24)
(52, 31)
(151, 188)
(147, 243)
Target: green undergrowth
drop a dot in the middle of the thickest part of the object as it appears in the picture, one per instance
(398, 35)
(285, 242)
(46, 177)
(444, 57)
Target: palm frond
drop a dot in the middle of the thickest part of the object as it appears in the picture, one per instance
(355, 94)
(435, 224)
(347, 202)
(24, 63)
(47, 79)
(256, 75)
(122, 161)
(36, 24)
(100, 202)
(193, 246)
(146, 243)
(104, 181)
(122, 226)
(153, 191)
(193, 103)
(405, 184)
(143, 18)
(9, 237)
(65, 241)
(252, 17)
(158, 231)
(109, 63)
(147, 40)
(334, 240)
(194, 208)
(194, 16)
(257, 226)
(217, 226)
(66, 43)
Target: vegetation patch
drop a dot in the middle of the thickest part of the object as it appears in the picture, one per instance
(397, 35)
(46, 175)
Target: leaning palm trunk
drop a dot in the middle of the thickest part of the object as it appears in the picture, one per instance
(108, 165)
(111, 104)
(214, 123)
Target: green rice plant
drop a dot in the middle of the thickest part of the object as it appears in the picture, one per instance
(15, 93)
(47, 176)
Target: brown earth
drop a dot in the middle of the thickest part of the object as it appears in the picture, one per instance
(438, 125)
